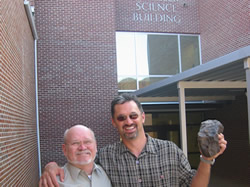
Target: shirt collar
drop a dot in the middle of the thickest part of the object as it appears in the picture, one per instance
(74, 171)
(149, 147)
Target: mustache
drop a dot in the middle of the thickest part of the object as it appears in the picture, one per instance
(126, 125)
(83, 152)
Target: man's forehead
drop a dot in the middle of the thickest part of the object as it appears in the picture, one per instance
(79, 133)
(83, 138)
(126, 107)
(126, 104)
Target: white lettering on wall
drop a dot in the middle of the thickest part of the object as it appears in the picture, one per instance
(156, 18)
(156, 12)
(155, 7)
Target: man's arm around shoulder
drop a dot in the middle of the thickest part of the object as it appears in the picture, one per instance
(48, 178)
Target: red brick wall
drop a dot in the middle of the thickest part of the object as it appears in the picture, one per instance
(171, 16)
(76, 69)
(225, 27)
(18, 140)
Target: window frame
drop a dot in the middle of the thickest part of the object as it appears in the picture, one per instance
(137, 76)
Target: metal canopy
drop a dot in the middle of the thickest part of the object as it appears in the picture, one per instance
(224, 69)
(223, 77)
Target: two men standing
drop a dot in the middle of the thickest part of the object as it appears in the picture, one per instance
(139, 160)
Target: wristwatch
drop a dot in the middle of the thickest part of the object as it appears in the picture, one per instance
(211, 162)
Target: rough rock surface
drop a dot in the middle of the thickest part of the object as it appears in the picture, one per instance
(208, 137)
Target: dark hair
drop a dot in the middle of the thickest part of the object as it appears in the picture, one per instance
(123, 98)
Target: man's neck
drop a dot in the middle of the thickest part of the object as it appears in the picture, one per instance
(136, 145)
(87, 168)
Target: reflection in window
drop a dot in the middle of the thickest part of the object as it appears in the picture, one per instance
(145, 81)
(163, 54)
(125, 48)
(141, 54)
(190, 56)
(127, 83)
(144, 58)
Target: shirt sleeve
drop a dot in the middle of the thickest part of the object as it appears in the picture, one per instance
(186, 173)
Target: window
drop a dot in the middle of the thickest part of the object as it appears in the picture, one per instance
(145, 58)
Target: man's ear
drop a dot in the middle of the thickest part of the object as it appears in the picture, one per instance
(113, 122)
(64, 149)
(143, 117)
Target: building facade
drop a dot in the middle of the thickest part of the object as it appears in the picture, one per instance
(76, 71)
(77, 65)
(78, 78)
(19, 162)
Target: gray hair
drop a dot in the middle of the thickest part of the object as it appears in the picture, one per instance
(67, 130)
(123, 98)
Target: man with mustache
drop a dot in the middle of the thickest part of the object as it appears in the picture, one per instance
(80, 150)
(140, 160)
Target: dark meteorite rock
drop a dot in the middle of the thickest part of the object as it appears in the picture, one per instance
(208, 137)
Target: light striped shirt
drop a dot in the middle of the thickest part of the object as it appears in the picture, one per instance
(75, 177)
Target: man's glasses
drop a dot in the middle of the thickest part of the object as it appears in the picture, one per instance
(78, 143)
(123, 117)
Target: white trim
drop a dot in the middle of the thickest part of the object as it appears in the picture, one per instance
(212, 84)
(37, 114)
(182, 113)
(199, 39)
(30, 18)
(29, 11)
(247, 69)
(179, 53)
(188, 98)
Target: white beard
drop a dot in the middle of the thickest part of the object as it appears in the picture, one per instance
(82, 162)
